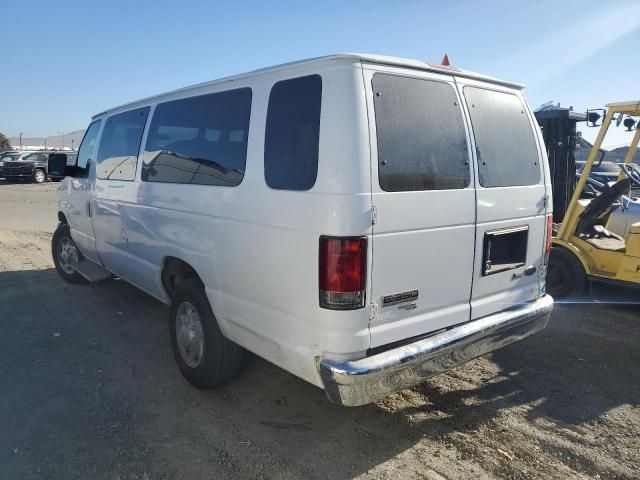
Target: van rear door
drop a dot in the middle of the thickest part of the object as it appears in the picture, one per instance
(511, 198)
(424, 204)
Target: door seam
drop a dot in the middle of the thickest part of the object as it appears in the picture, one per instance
(369, 140)
(473, 159)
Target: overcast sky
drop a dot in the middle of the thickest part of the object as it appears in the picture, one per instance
(68, 60)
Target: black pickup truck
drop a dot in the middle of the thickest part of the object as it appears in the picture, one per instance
(29, 165)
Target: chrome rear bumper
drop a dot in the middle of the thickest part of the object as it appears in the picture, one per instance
(363, 381)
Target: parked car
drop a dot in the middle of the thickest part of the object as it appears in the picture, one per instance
(363, 222)
(604, 171)
(33, 165)
(8, 156)
(607, 172)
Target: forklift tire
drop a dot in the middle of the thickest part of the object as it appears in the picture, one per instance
(566, 278)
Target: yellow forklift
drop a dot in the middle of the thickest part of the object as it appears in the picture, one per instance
(583, 250)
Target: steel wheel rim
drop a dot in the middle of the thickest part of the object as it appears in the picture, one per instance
(189, 334)
(67, 255)
(39, 176)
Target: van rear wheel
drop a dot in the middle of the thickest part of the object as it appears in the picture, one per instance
(206, 358)
(566, 277)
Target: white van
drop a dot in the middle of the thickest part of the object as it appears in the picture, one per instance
(361, 221)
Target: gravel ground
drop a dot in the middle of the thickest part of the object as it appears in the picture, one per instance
(89, 389)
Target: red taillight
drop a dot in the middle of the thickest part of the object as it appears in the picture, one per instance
(342, 272)
(547, 245)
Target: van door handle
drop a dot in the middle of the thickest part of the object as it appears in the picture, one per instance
(530, 270)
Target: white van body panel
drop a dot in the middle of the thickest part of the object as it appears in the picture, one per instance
(256, 248)
(77, 207)
(413, 238)
(505, 207)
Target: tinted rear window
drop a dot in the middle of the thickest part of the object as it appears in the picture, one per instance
(505, 142)
(120, 144)
(422, 144)
(200, 140)
(292, 133)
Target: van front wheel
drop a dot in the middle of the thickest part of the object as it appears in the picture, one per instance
(565, 276)
(206, 358)
(66, 254)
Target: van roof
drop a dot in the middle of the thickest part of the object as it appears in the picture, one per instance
(352, 57)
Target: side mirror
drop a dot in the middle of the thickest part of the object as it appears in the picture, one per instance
(57, 165)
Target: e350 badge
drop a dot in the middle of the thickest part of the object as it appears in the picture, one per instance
(403, 300)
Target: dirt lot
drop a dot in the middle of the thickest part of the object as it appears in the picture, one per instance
(89, 389)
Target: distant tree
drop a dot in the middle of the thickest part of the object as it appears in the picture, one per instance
(4, 143)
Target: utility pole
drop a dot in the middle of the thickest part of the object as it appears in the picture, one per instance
(20, 140)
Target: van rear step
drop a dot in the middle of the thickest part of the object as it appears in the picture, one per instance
(91, 271)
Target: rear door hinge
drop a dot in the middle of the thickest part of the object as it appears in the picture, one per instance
(373, 312)
(546, 201)
(374, 215)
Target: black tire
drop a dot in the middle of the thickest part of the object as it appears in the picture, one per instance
(39, 175)
(566, 277)
(221, 359)
(63, 232)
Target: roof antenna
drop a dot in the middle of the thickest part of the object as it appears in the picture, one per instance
(445, 61)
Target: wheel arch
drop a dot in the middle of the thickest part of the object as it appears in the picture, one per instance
(175, 270)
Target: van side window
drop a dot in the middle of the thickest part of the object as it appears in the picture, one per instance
(505, 142)
(422, 144)
(87, 147)
(200, 140)
(292, 133)
(120, 144)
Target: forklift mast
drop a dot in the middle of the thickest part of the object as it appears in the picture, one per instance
(559, 132)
